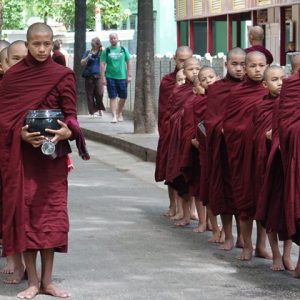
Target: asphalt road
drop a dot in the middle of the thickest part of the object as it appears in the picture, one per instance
(121, 247)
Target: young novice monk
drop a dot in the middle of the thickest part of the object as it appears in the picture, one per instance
(289, 129)
(174, 175)
(238, 134)
(167, 85)
(268, 209)
(35, 216)
(15, 52)
(219, 189)
(180, 77)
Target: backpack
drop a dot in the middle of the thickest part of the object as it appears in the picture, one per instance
(107, 50)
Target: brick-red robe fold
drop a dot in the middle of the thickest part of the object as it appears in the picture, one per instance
(270, 207)
(35, 186)
(219, 189)
(238, 132)
(165, 91)
(190, 164)
(181, 94)
(289, 136)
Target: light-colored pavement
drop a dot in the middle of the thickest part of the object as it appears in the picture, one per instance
(121, 247)
(120, 135)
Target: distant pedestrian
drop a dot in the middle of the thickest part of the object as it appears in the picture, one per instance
(116, 74)
(57, 56)
(64, 51)
(91, 73)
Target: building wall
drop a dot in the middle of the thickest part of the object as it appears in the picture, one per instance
(165, 24)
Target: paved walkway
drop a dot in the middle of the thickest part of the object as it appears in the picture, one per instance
(120, 135)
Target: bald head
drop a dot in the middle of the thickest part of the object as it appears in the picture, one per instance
(184, 49)
(235, 52)
(3, 61)
(295, 63)
(182, 54)
(191, 61)
(207, 76)
(270, 71)
(255, 55)
(16, 52)
(256, 35)
(3, 44)
(38, 28)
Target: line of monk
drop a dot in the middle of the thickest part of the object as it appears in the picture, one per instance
(232, 145)
(33, 186)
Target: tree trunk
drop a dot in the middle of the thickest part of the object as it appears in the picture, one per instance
(1, 17)
(144, 117)
(79, 48)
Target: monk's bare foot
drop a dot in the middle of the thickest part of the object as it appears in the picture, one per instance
(277, 264)
(16, 277)
(54, 291)
(239, 243)
(208, 226)
(215, 238)
(246, 254)
(288, 263)
(170, 213)
(182, 223)
(200, 228)
(177, 217)
(194, 217)
(262, 253)
(8, 269)
(29, 293)
(227, 245)
(222, 237)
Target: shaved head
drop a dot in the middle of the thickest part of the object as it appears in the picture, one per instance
(38, 28)
(190, 61)
(16, 52)
(256, 33)
(183, 49)
(254, 55)
(295, 63)
(207, 68)
(271, 70)
(3, 44)
(235, 52)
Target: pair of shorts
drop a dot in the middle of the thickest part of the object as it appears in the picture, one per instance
(116, 88)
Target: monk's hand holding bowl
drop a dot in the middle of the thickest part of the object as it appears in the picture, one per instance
(269, 134)
(61, 134)
(33, 138)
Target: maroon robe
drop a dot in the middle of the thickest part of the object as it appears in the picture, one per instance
(190, 164)
(238, 132)
(263, 50)
(34, 185)
(165, 91)
(59, 58)
(270, 207)
(180, 96)
(219, 189)
(289, 136)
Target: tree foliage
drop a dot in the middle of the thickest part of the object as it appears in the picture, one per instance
(16, 11)
(13, 14)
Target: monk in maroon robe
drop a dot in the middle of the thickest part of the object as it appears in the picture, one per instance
(238, 136)
(289, 130)
(256, 37)
(219, 188)
(167, 85)
(35, 216)
(268, 169)
(174, 175)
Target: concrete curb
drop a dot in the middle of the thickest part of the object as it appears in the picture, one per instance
(142, 152)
